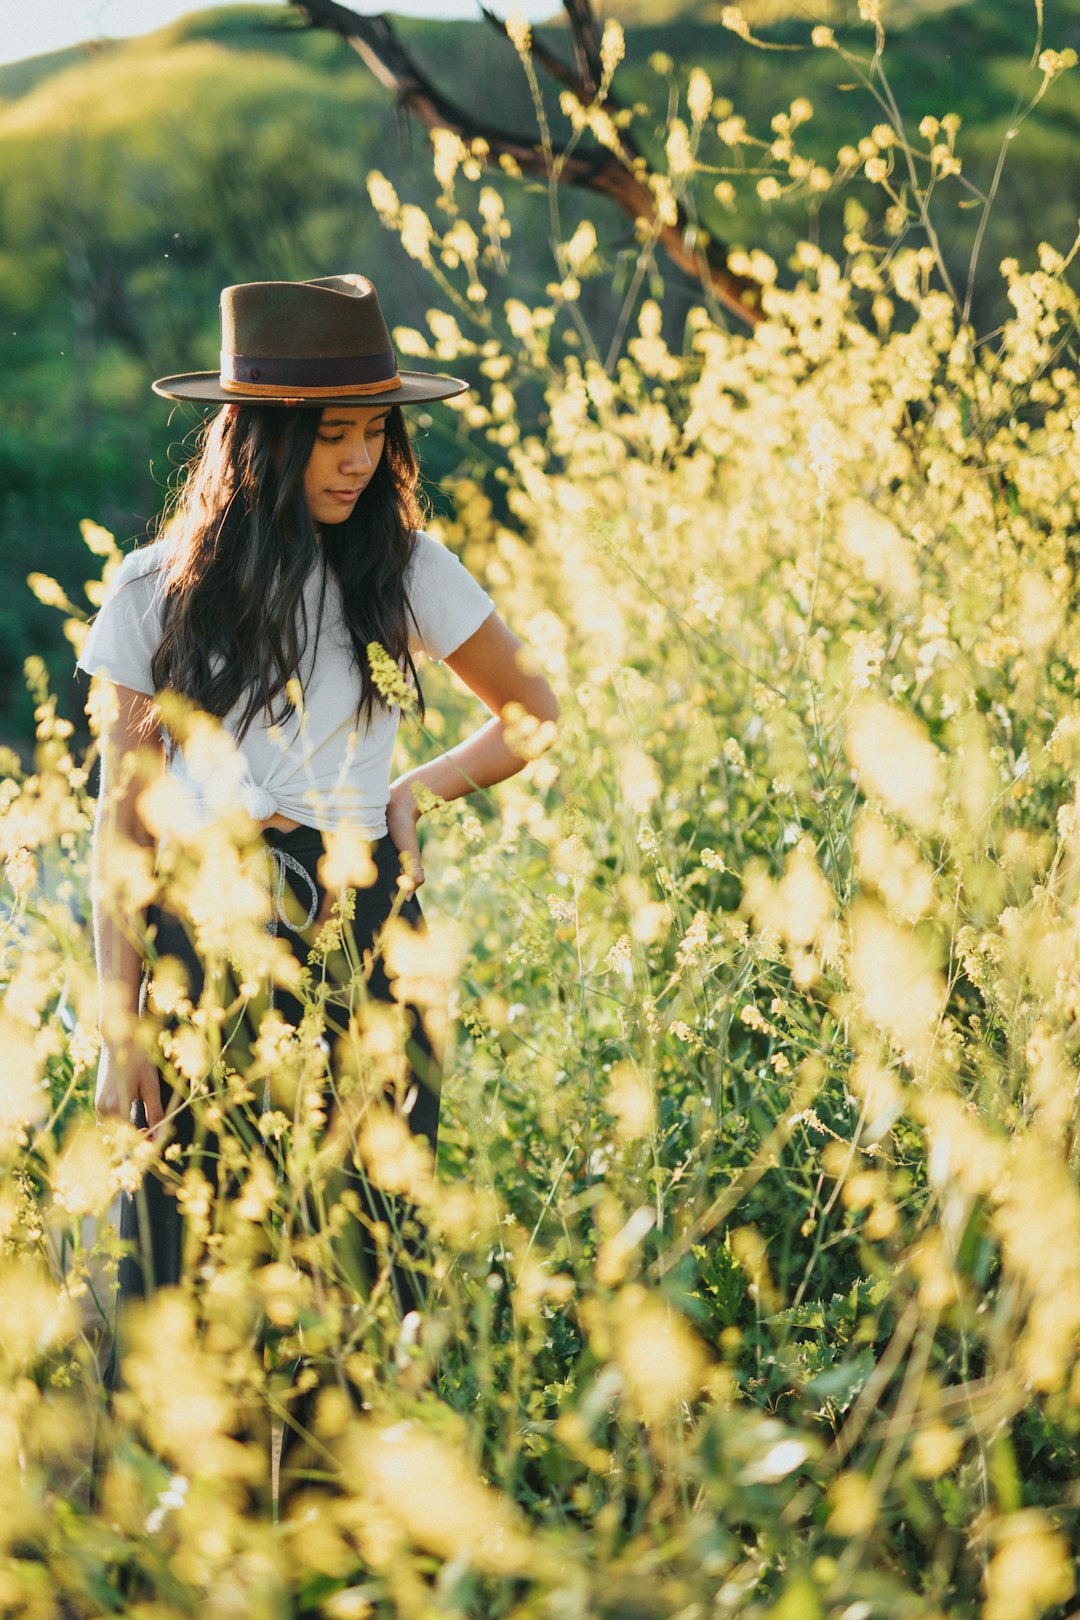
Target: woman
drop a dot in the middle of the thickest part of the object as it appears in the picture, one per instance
(296, 543)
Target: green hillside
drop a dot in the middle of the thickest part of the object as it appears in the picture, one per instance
(138, 179)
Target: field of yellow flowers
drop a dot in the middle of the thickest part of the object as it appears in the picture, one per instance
(755, 1273)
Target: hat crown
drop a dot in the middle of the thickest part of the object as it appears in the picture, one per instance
(329, 318)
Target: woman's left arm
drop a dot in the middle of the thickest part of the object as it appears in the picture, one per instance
(497, 666)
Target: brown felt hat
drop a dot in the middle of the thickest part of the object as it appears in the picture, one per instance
(315, 343)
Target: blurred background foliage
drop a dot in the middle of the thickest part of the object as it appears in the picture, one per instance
(138, 178)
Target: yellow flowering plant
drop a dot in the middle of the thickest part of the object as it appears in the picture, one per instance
(755, 1217)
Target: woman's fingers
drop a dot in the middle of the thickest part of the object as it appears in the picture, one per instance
(407, 845)
(107, 1104)
(411, 864)
(401, 825)
(149, 1093)
(145, 1087)
(151, 1100)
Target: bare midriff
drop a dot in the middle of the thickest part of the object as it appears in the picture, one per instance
(281, 821)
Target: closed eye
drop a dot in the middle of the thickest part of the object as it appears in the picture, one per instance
(336, 438)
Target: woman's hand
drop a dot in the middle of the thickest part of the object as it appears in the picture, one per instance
(134, 1078)
(402, 815)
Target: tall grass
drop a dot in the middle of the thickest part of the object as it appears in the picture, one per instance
(755, 1285)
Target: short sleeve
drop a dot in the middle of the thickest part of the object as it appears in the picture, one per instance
(127, 628)
(448, 603)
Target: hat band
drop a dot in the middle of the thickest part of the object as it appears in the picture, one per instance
(309, 379)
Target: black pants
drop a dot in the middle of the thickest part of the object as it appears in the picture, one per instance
(159, 1248)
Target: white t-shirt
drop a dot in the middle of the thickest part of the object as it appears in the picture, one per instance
(319, 770)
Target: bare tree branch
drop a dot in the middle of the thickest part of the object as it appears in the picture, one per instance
(585, 92)
(552, 65)
(619, 176)
(579, 14)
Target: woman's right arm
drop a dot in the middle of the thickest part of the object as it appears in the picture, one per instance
(125, 1073)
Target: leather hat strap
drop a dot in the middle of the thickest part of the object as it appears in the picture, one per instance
(309, 379)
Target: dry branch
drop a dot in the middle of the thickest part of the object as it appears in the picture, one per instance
(619, 176)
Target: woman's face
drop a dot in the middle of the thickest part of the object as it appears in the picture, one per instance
(346, 453)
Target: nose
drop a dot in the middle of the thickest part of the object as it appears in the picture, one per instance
(356, 457)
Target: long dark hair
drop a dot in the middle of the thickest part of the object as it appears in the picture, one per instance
(243, 545)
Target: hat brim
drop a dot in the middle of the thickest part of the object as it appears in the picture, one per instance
(417, 388)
